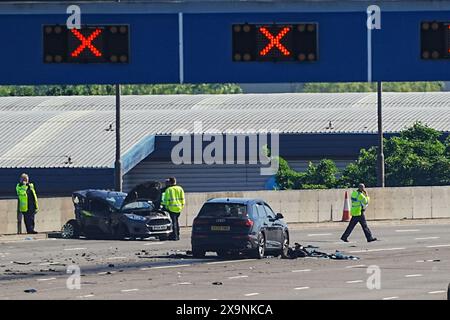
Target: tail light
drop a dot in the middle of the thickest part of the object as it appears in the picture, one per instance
(248, 223)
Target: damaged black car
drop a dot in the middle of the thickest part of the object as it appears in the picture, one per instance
(117, 215)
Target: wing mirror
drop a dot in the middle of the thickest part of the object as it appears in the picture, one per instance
(279, 216)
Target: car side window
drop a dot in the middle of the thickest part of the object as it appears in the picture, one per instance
(269, 211)
(261, 212)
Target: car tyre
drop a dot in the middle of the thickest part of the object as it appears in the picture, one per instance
(285, 248)
(121, 232)
(260, 249)
(198, 253)
(71, 230)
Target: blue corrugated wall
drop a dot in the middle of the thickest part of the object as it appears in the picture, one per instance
(57, 181)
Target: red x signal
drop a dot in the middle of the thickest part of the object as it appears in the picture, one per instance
(274, 41)
(86, 43)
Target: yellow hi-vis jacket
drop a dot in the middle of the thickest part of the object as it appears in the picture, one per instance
(173, 199)
(359, 201)
(21, 190)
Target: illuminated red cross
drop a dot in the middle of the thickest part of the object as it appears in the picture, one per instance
(86, 42)
(274, 41)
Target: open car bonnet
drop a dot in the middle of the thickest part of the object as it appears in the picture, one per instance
(150, 191)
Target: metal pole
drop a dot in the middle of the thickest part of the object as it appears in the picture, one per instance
(118, 163)
(380, 158)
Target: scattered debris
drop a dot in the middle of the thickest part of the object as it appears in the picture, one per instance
(32, 290)
(300, 251)
(217, 283)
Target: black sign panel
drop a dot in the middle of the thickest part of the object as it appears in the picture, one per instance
(89, 44)
(275, 42)
(435, 40)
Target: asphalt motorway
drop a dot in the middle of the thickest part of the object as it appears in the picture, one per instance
(412, 257)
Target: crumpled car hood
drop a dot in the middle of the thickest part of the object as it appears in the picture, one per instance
(150, 190)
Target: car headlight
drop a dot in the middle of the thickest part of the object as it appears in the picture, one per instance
(135, 217)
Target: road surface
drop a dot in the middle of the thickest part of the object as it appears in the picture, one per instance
(413, 258)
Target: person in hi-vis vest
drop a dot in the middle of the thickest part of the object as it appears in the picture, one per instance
(173, 201)
(27, 202)
(360, 201)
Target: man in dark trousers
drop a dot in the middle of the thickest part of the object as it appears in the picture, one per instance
(28, 202)
(173, 200)
(360, 201)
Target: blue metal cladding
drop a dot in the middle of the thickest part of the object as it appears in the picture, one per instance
(293, 146)
(154, 54)
(56, 181)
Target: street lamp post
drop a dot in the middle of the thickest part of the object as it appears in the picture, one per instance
(380, 156)
(118, 163)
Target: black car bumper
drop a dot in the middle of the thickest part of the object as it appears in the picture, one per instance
(142, 229)
(208, 242)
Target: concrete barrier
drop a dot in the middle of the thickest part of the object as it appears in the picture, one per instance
(297, 206)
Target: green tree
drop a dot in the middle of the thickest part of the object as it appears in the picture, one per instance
(71, 90)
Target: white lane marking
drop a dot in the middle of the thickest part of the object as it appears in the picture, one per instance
(166, 267)
(213, 299)
(183, 283)
(74, 249)
(407, 230)
(319, 234)
(413, 275)
(230, 261)
(251, 294)
(115, 258)
(439, 291)
(303, 270)
(47, 279)
(427, 238)
(390, 298)
(50, 263)
(376, 250)
(301, 288)
(439, 246)
(354, 281)
(129, 290)
(355, 266)
(153, 243)
(237, 277)
(425, 260)
(86, 296)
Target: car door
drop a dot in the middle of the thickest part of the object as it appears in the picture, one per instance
(276, 228)
(266, 224)
(100, 215)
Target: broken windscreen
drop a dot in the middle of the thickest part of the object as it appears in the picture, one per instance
(223, 210)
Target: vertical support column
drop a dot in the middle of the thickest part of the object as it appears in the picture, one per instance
(118, 163)
(380, 158)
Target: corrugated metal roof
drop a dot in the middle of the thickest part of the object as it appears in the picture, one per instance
(44, 131)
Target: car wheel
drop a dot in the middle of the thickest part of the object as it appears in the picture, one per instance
(198, 253)
(285, 247)
(70, 230)
(261, 247)
(121, 232)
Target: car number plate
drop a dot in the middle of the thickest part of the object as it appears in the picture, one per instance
(159, 227)
(220, 228)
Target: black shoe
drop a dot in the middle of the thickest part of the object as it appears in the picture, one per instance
(344, 239)
(371, 240)
(32, 232)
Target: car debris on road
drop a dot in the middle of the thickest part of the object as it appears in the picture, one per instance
(299, 251)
